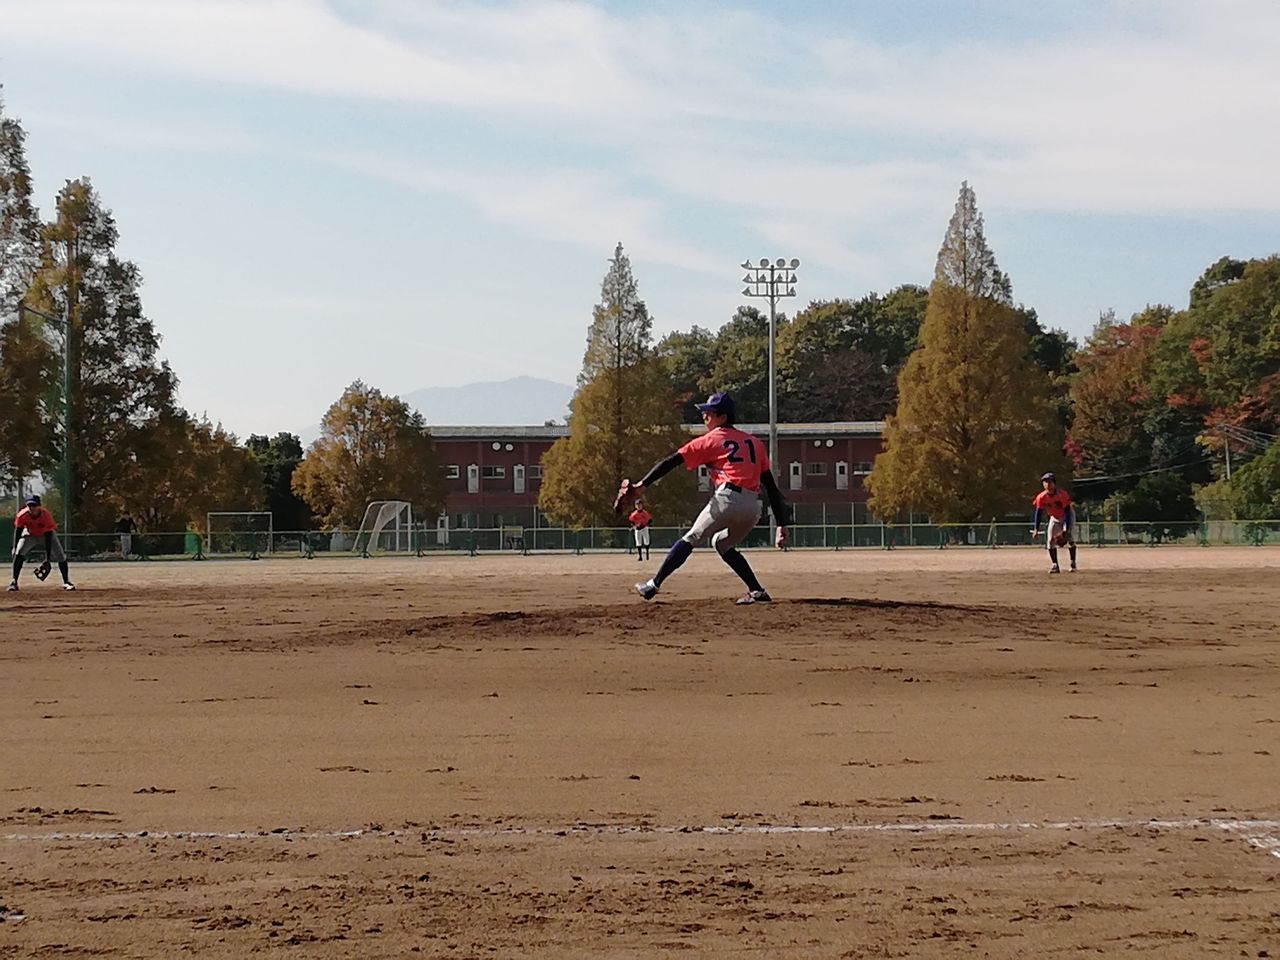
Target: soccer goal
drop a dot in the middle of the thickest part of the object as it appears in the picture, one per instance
(387, 527)
(238, 533)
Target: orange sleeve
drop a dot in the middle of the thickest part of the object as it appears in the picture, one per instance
(698, 451)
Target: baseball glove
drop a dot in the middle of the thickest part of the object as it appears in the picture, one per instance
(627, 494)
(1062, 539)
(42, 571)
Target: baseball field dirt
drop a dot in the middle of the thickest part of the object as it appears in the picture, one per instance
(915, 753)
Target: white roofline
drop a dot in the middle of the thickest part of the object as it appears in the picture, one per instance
(846, 428)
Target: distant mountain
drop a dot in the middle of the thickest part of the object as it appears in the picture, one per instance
(521, 401)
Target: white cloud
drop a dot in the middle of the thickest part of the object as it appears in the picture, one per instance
(566, 206)
(805, 136)
(1139, 111)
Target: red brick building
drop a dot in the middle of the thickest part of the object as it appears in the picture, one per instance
(494, 473)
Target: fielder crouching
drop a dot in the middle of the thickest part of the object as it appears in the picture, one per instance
(38, 527)
(739, 466)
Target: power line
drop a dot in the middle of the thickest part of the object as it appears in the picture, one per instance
(1142, 473)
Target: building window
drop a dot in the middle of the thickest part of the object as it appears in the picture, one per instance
(862, 466)
(452, 471)
(494, 473)
(535, 471)
(817, 469)
(704, 479)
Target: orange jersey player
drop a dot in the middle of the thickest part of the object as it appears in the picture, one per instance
(640, 519)
(1056, 503)
(738, 464)
(38, 529)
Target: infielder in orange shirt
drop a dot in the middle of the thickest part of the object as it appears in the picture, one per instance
(640, 519)
(37, 526)
(739, 466)
(1056, 503)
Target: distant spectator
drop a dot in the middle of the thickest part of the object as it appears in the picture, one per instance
(126, 528)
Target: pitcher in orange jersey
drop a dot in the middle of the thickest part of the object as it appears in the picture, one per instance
(738, 464)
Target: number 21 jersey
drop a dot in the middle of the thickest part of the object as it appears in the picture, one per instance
(729, 455)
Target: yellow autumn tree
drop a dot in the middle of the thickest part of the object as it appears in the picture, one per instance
(975, 425)
(371, 447)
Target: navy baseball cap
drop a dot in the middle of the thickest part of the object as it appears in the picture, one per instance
(33, 501)
(719, 402)
(1049, 476)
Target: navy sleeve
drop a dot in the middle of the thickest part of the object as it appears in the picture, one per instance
(1035, 519)
(661, 469)
(776, 503)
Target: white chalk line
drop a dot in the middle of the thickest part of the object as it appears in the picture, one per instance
(1258, 833)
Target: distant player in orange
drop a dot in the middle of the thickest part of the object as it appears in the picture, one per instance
(1056, 503)
(739, 466)
(38, 528)
(640, 519)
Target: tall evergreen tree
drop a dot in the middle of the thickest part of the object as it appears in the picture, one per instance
(619, 338)
(28, 358)
(623, 417)
(975, 425)
(19, 221)
(120, 388)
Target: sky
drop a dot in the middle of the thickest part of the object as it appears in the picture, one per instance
(427, 194)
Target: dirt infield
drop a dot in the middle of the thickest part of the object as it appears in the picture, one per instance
(910, 754)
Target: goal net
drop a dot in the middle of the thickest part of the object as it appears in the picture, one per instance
(387, 527)
(238, 533)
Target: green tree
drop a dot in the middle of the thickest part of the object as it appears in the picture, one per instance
(371, 447)
(1160, 505)
(839, 359)
(120, 388)
(278, 457)
(975, 423)
(899, 314)
(742, 362)
(686, 360)
(1252, 493)
(622, 419)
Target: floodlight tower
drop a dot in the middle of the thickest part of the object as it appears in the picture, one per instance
(771, 280)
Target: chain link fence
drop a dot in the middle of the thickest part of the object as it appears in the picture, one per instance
(426, 539)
